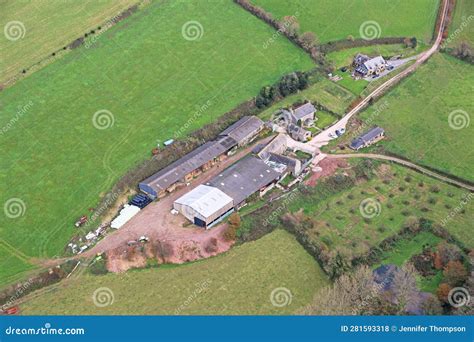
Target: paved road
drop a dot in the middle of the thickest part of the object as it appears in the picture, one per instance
(323, 138)
(408, 164)
(396, 65)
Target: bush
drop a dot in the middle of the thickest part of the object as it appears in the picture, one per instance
(435, 189)
(99, 267)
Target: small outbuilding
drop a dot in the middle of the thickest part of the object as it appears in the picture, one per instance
(368, 138)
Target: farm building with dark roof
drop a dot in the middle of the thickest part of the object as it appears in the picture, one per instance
(202, 158)
(372, 136)
(244, 130)
(244, 178)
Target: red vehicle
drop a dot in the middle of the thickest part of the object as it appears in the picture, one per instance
(11, 311)
(81, 221)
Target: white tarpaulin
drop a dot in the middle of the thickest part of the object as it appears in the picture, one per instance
(125, 215)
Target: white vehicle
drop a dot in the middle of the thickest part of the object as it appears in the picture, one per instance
(174, 211)
(144, 238)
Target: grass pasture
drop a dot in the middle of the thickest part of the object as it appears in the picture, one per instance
(462, 26)
(345, 57)
(229, 284)
(48, 26)
(335, 20)
(416, 117)
(323, 91)
(151, 80)
(339, 224)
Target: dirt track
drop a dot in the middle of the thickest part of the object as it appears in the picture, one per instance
(323, 138)
(405, 163)
(157, 222)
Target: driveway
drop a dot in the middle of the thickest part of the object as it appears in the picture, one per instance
(323, 138)
(157, 222)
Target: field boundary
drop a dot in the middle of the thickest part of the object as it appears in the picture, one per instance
(61, 52)
(409, 164)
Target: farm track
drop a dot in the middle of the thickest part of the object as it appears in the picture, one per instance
(406, 163)
(323, 138)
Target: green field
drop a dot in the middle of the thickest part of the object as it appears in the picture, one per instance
(237, 282)
(345, 57)
(327, 93)
(152, 80)
(335, 20)
(339, 224)
(48, 25)
(18, 265)
(462, 26)
(403, 250)
(416, 118)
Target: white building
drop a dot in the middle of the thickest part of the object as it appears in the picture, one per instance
(204, 205)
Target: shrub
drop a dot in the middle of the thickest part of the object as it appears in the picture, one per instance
(434, 189)
(455, 274)
(432, 200)
(99, 267)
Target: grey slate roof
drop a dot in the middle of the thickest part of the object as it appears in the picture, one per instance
(243, 128)
(190, 162)
(278, 158)
(366, 137)
(303, 110)
(245, 177)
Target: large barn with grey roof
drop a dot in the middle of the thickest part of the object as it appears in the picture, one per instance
(208, 204)
(202, 158)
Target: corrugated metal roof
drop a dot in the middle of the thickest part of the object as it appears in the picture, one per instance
(205, 200)
(245, 177)
(187, 164)
(243, 128)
